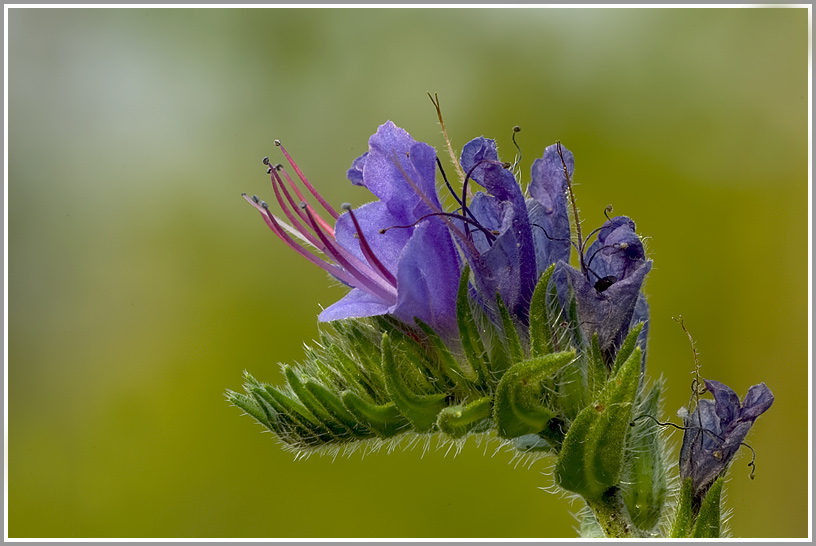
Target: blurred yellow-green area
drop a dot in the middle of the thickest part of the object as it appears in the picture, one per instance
(141, 284)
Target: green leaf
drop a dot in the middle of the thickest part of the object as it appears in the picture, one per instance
(384, 420)
(421, 409)
(472, 344)
(708, 519)
(518, 409)
(541, 342)
(591, 456)
(644, 471)
(681, 528)
(457, 421)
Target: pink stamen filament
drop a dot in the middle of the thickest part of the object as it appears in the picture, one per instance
(372, 283)
(368, 252)
(329, 229)
(299, 221)
(272, 223)
(306, 183)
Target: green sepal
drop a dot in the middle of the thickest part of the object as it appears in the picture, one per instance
(541, 342)
(336, 428)
(336, 408)
(250, 406)
(592, 453)
(572, 379)
(518, 409)
(356, 377)
(384, 420)
(511, 336)
(450, 368)
(627, 347)
(457, 421)
(570, 384)
(363, 344)
(472, 344)
(597, 373)
(644, 471)
(683, 518)
(290, 419)
(421, 409)
(708, 519)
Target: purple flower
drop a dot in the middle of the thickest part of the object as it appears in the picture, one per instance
(403, 254)
(715, 430)
(607, 289)
(408, 272)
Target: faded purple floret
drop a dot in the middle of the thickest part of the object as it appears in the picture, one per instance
(509, 260)
(607, 290)
(715, 430)
(548, 207)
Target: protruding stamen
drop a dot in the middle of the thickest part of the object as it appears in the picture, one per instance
(373, 284)
(490, 234)
(562, 239)
(366, 248)
(306, 183)
(328, 228)
(299, 221)
(516, 129)
(607, 212)
(277, 228)
(445, 178)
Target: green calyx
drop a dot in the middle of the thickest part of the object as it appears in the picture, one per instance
(378, 378)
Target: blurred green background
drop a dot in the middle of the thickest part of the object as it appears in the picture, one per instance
(141, 285)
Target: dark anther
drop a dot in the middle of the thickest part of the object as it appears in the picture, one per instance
(346, 206)
(264, 205)
(266, 160)
(605, 282)
(277, 142)
(255, 199)
(269, 170)
(303, 205)
(516, 129)
(277, 166)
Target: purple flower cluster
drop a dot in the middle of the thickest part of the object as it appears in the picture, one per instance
(403, 254)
